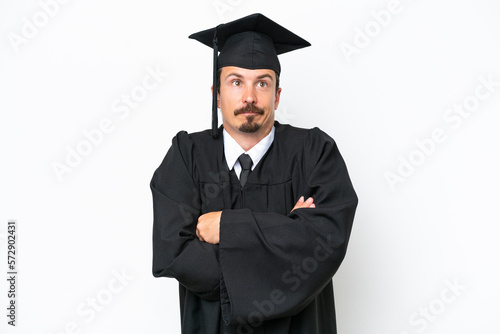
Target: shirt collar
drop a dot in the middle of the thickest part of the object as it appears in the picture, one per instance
(232, 150)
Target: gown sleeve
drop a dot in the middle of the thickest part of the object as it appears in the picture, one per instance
(274, 265)
(177, 252)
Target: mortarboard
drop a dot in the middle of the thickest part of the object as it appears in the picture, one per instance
(252, 42)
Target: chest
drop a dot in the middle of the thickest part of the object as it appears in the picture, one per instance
(223, 191)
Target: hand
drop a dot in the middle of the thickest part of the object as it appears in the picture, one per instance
(208, 227)
(309, 203)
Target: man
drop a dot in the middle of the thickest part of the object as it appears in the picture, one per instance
(252, 218)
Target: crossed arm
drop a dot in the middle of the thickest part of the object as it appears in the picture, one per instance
(208, 226)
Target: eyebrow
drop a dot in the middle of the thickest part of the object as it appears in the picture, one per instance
(234, 75)
(265, 76)
(241, 76)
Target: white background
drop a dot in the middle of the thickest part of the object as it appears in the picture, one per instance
(437, 226)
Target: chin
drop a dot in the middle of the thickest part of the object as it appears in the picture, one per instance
(249, 127)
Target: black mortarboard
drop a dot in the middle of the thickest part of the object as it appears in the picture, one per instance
(252, 42)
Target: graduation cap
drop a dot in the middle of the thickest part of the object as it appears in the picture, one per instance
(252, 42)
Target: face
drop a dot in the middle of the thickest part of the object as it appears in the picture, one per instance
(248, 99)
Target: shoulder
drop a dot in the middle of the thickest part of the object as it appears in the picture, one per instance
(301, 137)
(185, 146)
(197, 150)
(307, 147)
(195, 142)
(183, 138)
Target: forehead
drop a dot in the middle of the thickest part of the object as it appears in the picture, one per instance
(228, 71)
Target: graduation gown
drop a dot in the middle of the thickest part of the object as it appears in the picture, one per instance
(272, 270)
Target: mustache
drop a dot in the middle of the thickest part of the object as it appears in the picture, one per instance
(249, 108)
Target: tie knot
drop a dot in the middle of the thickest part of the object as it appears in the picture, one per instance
(245, 161)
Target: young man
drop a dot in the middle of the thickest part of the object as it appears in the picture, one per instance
(252, 218)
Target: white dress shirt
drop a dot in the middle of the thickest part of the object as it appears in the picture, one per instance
(232, 151)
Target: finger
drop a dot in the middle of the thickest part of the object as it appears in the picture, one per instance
(198, 234)
(299, 203)
(306, 204)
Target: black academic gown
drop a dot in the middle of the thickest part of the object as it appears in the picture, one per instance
(272, 270)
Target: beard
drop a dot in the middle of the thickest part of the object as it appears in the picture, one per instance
(249, 126)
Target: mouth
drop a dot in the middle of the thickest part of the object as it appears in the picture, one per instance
(249, 113)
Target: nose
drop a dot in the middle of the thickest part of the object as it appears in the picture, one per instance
(249, 95)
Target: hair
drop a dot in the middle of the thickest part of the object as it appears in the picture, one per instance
(219, 71)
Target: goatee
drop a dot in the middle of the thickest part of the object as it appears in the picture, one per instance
(249, 126)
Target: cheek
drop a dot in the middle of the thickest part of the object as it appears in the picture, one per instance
(226, 106)
(226, 98)
(222, 101)
(227, 109)
(271, 102)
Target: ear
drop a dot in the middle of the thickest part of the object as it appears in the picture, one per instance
(277, 98)
(218, 97)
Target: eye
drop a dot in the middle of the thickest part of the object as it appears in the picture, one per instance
(236, 83)
(262, 84)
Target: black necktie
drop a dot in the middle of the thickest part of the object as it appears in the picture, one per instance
(246, 165)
